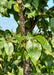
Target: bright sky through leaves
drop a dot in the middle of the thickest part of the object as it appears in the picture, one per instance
(10, 23)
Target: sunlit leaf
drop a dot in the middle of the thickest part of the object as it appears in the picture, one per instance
(20, 71)
(2, 41)
(34, 50)
(16, 7)
(44, 43)
(9, 48)
(27, 5)
(32, 14)
(29, 36)
(10, 73)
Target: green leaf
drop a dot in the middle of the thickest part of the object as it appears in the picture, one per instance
(20, 39)
(6, 4)
(35, 3)
(34, 50)
(3, 11)
(18, 30)
(38, 69)
(27, 1)
(1, 43)
(45, 44)
(10, 4)
(3, 2)
(9, 48)
(29, 36)
(10, 73)
(7, 33)
(32, 14)
(27, 5)
(3, 54)
(48, 62)
(1, 33)
(52, 24)
(20, 71)
(48, 65)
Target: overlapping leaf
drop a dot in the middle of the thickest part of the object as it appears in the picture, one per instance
(29, 36)
(9, 48)
(16, 7)
(2, 43)
(45, 44)
(34, 50)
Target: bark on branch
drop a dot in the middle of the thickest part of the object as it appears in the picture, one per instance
(33, 23)
(26, 63)
(21, 20)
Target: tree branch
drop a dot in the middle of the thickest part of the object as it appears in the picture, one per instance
(33, 23)
(21, 18)
(52, 9)
(26, 63)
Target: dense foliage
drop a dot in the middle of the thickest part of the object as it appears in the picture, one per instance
(35, 47)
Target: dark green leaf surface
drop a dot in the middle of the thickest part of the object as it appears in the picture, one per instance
(52, 24)
(35, 3)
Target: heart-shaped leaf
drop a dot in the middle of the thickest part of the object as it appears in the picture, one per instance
(34, 50)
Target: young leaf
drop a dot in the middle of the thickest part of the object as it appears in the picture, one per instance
(27, 5)
(16, 7)
(32, 14)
